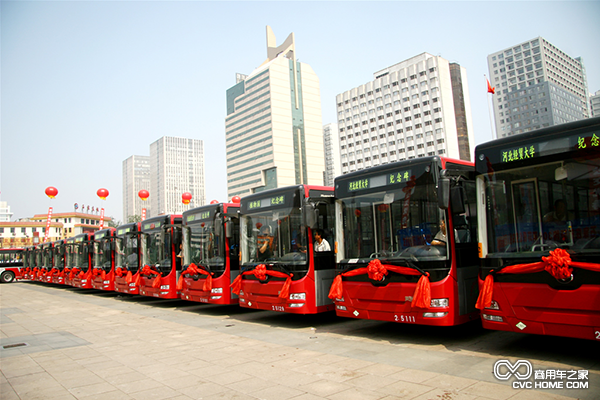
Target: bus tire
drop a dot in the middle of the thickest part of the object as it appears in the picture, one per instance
(7, 277)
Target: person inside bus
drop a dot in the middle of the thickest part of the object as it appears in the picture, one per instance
(440, 238)
(265, 243)
(320, 243)
(559, 214)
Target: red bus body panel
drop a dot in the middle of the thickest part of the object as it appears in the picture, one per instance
(538, 309)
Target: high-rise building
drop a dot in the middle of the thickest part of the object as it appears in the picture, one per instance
(595, 104)
(418, 107)
(176, 167)
(331, 143)
(537, 85)
(136, 176)
(273, 129)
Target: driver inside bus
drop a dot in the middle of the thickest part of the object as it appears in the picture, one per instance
(265, 243)
(440, 238)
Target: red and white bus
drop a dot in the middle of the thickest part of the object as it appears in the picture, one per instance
(281, 269)
(11, 264)
(539, 231)
(103, 274)
(57, 274)
(83, 263)
(161, 257)
(407, 243)
(210, 254)
(127, 258)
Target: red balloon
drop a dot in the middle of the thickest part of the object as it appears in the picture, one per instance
(214, 202)
(51, 192)
(102, 193)
(236, 199)
(143, 194)
(186, 197)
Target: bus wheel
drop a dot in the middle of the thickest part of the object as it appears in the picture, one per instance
(7, 277)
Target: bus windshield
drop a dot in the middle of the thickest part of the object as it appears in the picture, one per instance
(126, 252)
(274, 237)
(399, 221)
(156, 250)
(539, 208)
(59, 256)
(102, 254)
(204, 246)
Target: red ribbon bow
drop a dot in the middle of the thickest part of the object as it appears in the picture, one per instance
(558, 264)
(194, 270)
(261, 272)
(376, 271)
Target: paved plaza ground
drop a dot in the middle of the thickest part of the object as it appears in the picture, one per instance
(61, 343)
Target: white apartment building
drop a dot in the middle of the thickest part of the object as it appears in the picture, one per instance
(5, 214)
(418, 107)
(31, 231)
(537, 85)
(136, 176)
(331, 143)
(273, 129)
(176, 167)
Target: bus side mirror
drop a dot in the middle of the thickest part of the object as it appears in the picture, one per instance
(229, 228)
(443, 192)
(218, 226)
(177, 235)
(311, 215)
(457, 200)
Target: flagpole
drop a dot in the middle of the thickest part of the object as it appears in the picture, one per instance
(494, 133)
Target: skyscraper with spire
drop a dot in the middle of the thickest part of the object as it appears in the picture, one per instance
(273, 129)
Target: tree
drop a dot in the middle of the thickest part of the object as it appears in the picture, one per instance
(134, 218)
(113, 223)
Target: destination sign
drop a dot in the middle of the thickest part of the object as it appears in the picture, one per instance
(99, 236)
(268, 202)
(545, 148)
(152, 225)
(123, 231)
(389, 178)
(199, 216)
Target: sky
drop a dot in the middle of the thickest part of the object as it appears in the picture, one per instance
(87, 84)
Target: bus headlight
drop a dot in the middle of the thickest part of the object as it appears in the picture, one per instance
(340, 300)
(296, 305)
(341, 308)
(218, 290)
(495, 318)
(435, 314)
(493, 306)
(215, 297)
(297, 296)
(437, 303)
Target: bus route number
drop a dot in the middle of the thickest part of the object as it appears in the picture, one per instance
(404, 318)
(597, 333)
(278, 308)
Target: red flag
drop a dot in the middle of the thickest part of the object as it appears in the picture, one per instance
(490, 88)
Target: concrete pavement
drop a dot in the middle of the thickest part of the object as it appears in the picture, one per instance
(66, 343)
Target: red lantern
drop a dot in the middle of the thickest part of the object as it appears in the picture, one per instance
(143, 194)
(357, 212)
(186, 198)
(51, 192)
(236, 199)
(102, 193)
(383, 208)
(214, 202)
